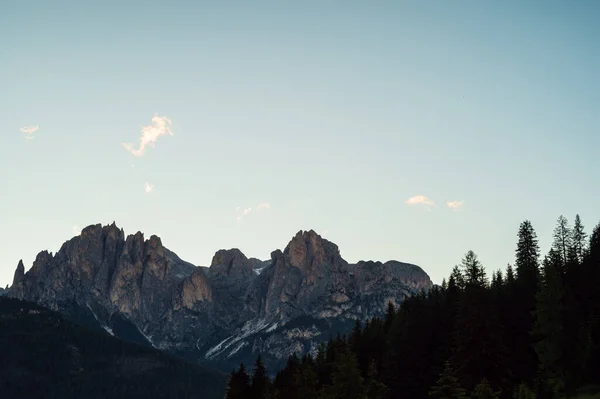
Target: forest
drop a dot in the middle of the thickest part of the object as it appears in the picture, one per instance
(529, 331)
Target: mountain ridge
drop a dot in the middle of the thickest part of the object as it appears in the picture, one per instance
(231, 310)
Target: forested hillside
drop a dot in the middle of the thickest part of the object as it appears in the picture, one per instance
(44, 355)
(532, 330)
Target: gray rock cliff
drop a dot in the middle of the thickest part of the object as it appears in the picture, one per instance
(137, 289)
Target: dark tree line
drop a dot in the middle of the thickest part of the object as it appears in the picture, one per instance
(532, 331)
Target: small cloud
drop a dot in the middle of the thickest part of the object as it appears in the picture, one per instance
(420, 200)
(264, 205)
(29, 131)
(243, 212)
(455, 205)
(149, 188)
(75, 229)
(161, 126)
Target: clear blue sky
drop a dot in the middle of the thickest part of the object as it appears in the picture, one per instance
(334, 113)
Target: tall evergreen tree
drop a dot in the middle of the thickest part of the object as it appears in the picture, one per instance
(473, 271)
(579, 239)
(527, 256)
(447, 385)
(548, 329)
(483, 390)
(523, 300)
(239, 384)
(562, 239)
(260, 380)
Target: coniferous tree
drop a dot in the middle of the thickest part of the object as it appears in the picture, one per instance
(374, 388)
(548, 329)
(306, 383)
(523, 300)
(473, 272)
(483, 390)
(260, 380)
(523, 392)
(579, 238)
(447, 385)
(562, 239)
(239, 384)
(347, 381)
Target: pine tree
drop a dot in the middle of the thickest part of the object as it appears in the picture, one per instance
(510, 275)
(548, 329)
(562, 238)
(523, 392)
(483, 390)
(239, 384)
(260, 381)
(478, 350)
(375, 389)
(447, 385)
(306, 383)
(523, 300)
(347, 382)
(474, 273)
(527, 256)
(579, 243)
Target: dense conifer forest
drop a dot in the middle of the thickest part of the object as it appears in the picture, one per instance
(44, 355)
(530, 331)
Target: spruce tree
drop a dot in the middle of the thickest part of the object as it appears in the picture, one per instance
(523, 392)
(473, 271)
(239, 384)
(562, 239)
(447, 385)
(483, 390)
(374, 388)
(548, 328)
(579, 238)
(260, 380)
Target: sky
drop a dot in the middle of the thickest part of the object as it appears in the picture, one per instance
(404, 130)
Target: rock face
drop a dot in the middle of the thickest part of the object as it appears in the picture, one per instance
(139, 290)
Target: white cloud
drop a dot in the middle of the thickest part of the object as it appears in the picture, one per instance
(420, 200)
(264, 205)
(243, 212)
(161, 126)
(455, 205)
(29, 131)
(75, 229)
(149, 188)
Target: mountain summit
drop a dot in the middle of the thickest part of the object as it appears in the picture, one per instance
(137, 289)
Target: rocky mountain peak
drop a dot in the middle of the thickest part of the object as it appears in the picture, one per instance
(308, 249)
(19, 273)
(230, 262)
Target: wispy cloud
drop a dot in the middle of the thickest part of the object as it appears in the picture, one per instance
(420, 200)
(29, 131)
(243, 212)
(149, 188)
(161, 126)
(455, 205)
(75, 229)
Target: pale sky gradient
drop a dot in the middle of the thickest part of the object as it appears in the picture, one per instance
(281, 116)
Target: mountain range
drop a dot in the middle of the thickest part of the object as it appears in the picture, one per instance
(138, 290)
